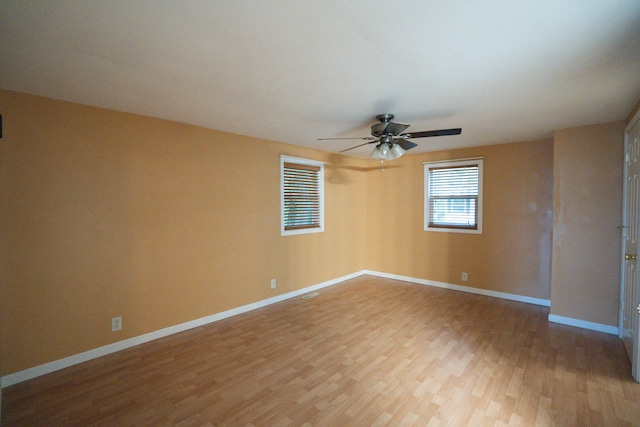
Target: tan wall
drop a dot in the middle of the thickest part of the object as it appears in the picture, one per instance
(512, 255)
(105, 214)
(588, 168)
(109, 214)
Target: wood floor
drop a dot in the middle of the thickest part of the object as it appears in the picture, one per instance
(367, 352)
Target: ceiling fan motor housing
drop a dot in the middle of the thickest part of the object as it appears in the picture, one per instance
(379, 128)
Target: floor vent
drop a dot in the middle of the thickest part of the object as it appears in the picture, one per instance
(311, 295)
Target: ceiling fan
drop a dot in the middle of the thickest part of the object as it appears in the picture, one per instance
(391, 142)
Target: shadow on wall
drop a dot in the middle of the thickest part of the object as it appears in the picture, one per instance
(338, 163)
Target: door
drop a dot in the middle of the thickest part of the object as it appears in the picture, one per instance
(630, 292)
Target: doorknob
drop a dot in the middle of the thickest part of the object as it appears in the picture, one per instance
(638, 308)
(630, 257)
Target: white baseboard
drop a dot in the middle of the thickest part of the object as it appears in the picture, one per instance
(485, 292)
(584, 324)
(56, 365)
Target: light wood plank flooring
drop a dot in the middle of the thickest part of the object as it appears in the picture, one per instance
(367, 352)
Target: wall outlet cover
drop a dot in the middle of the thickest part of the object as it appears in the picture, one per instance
(116, 324)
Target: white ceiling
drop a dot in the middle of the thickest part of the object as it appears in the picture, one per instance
(295, 71)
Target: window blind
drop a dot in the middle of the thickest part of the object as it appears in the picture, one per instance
(301, 196)
(453, 197)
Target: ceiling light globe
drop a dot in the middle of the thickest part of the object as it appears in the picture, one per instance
(397, 151)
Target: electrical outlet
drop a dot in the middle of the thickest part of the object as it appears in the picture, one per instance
(116, 324)
(273, 283)
(465, 277)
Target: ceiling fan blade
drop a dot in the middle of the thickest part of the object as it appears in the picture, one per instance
(441, 132)
(366, 138)
(395, 128)
(406, 144)
(379, 128)
(366, 143)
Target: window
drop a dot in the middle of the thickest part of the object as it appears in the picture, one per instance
(453, 196)
(302, 195)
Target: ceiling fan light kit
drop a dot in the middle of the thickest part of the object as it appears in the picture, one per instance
(387, 151)
(391, 142)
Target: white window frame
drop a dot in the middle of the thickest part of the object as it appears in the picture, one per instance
(297, 160)
(453, 164)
